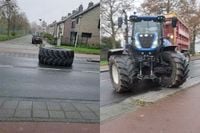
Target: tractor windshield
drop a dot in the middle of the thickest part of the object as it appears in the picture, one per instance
(147, 27)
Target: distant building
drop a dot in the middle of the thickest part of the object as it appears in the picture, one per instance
(51, 28)
(85, 26)
(80, 26)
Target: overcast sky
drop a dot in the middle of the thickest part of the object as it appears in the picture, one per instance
(50, 10)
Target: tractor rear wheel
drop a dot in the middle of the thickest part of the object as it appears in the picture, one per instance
(122, 72)
(177, 70)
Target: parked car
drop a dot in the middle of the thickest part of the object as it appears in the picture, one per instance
(37, 39)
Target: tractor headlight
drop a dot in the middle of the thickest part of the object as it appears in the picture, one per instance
(137, 44)
(155, 44)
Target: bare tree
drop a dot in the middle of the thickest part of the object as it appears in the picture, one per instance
(159, 6)
(7, 9)
(14, 19)
(110, 10)
(190, 13)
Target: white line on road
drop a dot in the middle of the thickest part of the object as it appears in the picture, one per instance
(6, 66)
(91, 71)
(54, 69)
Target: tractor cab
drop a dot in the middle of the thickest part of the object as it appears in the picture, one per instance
(146, 32)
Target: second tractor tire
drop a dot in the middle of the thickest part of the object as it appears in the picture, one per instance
(56, 56)
(179, 69)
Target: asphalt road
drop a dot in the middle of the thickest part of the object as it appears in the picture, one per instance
(108, 96)
(22, 77)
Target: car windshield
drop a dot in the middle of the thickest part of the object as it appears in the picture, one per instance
(147, 27)
(36, 34)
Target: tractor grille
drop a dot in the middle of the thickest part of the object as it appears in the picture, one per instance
(146, 40)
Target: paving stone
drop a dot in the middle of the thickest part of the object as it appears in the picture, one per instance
(40, 114)
(81, 107)
(6, 113)
(10, 104)
(25, 113)
(2, 100)
(39, 106)
(57, 114)
(94, 107)
(73, 115)
(25, 105)
(53, 106)
(88, 115)
(68, 107)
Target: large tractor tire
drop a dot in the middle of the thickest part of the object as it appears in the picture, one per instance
(187, 56)
(122, 72)
(178, 69)
(56, 57)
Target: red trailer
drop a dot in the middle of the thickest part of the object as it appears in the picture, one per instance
(179, 36)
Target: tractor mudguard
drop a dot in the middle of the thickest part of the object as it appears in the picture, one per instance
(118, 51)
(169, 48)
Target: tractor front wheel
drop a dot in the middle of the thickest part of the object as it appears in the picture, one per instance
(122, 72)
(176, 69)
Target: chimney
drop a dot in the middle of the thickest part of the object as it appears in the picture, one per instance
(62, 18)
(80, 9)
(90, 4)
(69, 14)
(74, 12)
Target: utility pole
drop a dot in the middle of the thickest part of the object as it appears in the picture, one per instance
(77, 35)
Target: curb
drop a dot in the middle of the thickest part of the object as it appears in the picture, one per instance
(93, 60)
(131, 104)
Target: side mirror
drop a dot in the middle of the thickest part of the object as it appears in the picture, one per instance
(120, 22)
(174, 22)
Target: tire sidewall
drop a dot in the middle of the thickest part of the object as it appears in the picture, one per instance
(112, 62)
(167, 82)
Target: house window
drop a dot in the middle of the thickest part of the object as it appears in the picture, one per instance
(88, 35)
(73, 24)
(73, 36)
(85, 37)
(99, 24)
(77, 20)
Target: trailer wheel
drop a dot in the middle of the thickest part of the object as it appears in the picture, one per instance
(176, 70)
(56, 56)
(122, 72)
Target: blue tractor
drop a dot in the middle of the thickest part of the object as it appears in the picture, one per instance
(146, 56)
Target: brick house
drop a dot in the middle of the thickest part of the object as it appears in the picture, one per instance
(83, 26)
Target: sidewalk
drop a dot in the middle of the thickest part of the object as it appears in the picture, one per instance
(48, 110)
(176, 114)
(42, 127)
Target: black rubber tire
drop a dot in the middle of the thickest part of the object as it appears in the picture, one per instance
(187, 56)
(56, 56)
(179, 71)
(126, 72)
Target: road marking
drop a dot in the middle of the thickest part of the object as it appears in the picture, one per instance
(91, 71)
(6, 66)
(49, 69)
(54, 69)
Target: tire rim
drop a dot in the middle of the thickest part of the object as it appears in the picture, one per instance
(115, 74)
